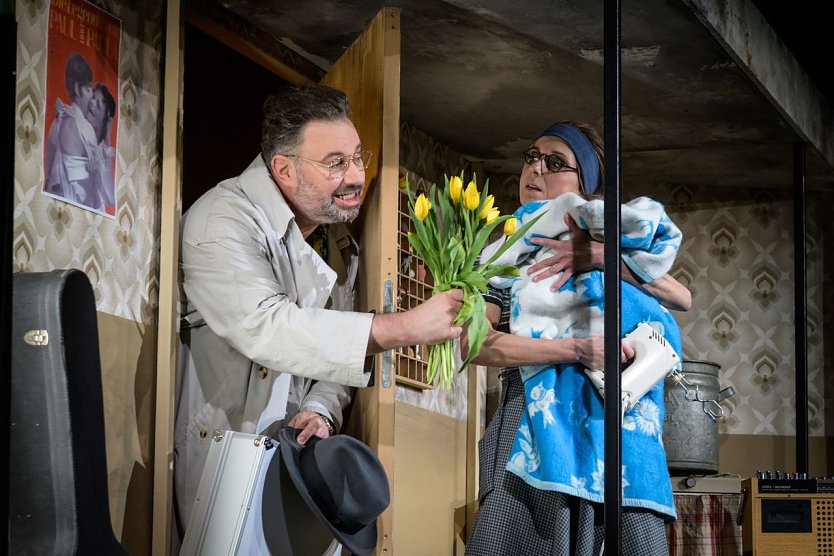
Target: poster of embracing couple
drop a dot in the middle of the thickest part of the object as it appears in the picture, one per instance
(82, 87)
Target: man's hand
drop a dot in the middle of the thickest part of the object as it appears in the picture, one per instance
(431, 321)
(428, 323)
(310, 423)
(591, 352)
(580, 253)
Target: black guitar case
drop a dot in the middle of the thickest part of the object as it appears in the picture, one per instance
(58, 501)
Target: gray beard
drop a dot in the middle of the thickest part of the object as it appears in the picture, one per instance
(327, 212)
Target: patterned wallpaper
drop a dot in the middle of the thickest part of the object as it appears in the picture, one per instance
(737, 260)
(118, 255)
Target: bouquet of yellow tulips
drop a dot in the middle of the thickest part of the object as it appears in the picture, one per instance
(451, 228)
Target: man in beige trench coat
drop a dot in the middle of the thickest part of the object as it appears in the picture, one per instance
(261, 349)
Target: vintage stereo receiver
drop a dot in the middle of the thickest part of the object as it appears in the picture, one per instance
(787, 514)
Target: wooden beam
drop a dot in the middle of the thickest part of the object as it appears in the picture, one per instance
(253, 43)
(474, 405)
(369, 74)
(170, 213)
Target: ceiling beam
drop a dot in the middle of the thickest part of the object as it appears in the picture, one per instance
(252, 42)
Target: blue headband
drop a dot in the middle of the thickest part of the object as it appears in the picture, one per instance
(582, 149)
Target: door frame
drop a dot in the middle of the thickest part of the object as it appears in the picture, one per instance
(377, 422)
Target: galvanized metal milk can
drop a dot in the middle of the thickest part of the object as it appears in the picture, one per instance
(690, 429)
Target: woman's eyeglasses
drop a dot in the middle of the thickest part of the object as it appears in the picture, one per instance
(338, 167)
(552, 162)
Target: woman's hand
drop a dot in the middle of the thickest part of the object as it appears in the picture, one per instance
(578, 254)
(581, 253)
(591, 352)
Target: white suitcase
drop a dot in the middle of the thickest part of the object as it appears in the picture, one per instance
(229, 511)
(227, 507)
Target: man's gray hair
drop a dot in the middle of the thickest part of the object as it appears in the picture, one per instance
(286, 115)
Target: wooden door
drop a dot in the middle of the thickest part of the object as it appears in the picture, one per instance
(369, 73)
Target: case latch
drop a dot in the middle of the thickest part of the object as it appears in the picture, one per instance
(36, 337)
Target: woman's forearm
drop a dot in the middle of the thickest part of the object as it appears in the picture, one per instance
(666, 289)
(506, 350)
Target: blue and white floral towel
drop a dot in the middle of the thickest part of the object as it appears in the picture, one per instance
(559, 445)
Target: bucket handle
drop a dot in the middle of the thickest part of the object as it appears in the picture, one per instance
(711, 407)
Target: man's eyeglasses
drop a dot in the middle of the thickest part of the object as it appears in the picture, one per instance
(552, 162)
(337, 167)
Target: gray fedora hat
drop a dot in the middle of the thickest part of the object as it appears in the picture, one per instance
(327, 488)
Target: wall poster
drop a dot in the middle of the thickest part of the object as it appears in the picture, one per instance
(82, 89)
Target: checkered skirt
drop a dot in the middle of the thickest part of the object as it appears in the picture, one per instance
(516, 519)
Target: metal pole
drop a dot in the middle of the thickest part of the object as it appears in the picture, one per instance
(613, 401)
(801, 306)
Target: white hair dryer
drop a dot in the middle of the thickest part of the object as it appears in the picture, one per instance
(654, 358)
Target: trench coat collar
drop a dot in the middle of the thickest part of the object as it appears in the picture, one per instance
(257, 184)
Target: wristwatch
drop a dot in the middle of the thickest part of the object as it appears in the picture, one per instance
(331, 428)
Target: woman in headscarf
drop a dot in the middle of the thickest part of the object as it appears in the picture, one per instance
(541, 457)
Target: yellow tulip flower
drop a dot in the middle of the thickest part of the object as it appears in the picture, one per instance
(471, 197)
(493, 214)
(490, 200)
(510, 226)
(455, 187)
(422, 206)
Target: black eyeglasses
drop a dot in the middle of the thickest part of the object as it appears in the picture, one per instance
(553, 162)
(338, 166)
